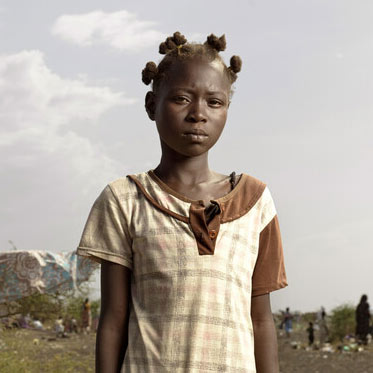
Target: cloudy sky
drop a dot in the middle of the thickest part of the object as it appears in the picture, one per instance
(72, 119)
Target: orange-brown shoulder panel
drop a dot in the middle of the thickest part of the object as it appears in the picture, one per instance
(248, 191)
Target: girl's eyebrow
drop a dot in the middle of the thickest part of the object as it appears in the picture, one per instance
(191, 90)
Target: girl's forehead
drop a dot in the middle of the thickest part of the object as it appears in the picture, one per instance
(196, 64)
(197, 70)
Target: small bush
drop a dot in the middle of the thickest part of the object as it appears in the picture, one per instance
(342, 322)
(43, 307)
(48, 307)
(309, 317)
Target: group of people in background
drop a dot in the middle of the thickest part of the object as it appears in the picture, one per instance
(363, 318)
(62, 327)
(322, 327)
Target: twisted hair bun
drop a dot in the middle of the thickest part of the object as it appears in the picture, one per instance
(172, 42)
(216, 43)
(235, 64)
(179, 39)
(234, 67)
(149, 72)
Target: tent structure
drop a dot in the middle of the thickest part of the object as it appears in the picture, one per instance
(23, 273)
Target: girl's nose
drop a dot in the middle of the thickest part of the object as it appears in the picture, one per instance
(196, 113)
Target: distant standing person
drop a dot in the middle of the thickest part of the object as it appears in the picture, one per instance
(321, 314)
(59, 327)
(362, 315)
(323, 327)
(86, 316)
(288, 322)
(311, 335)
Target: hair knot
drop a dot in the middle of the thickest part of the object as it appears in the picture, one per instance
(149, 73)
(172, 43)
(235, 64)
(179, 39)
(216, 43)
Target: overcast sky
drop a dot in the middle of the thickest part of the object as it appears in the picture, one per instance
(72, 119)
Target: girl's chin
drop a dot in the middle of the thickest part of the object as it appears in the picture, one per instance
(188, 148)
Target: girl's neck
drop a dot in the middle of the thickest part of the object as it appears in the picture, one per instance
(184, 170)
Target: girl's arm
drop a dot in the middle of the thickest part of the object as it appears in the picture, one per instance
(265, 339)
(112, 332)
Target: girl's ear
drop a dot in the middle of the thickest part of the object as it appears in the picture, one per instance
(150, 105)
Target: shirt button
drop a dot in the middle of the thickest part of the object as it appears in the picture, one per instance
(212, 234)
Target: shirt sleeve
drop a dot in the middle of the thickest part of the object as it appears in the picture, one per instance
(105, 235)
(269, 271)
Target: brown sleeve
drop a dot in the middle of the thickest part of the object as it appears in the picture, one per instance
(269, 271)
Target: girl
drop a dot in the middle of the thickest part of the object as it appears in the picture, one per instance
(188, 256)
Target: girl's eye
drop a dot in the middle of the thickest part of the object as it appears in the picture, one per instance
(180, 99)
(215, 103)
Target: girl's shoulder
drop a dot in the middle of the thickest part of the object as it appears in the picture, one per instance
(121, 184)
(119, 189)
(252, 180)
(127, 182)
(250, 185)
(127, 187)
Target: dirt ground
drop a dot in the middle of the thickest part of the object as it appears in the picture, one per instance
(34, 351)
(31, 351)
(300, 360)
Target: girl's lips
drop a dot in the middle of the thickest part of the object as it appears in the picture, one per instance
(195, 136)
(196, 132)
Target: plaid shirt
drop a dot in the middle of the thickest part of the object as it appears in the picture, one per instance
(191, 282)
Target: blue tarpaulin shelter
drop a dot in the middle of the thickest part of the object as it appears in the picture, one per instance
(23, 273)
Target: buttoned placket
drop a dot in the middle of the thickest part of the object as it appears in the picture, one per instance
(205, 233)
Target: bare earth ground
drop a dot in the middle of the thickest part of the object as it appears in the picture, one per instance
(32, 351)
(316, 361)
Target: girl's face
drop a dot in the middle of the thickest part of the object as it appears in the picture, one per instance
(190, 107)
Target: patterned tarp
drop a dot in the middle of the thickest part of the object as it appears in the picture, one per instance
(23, 273)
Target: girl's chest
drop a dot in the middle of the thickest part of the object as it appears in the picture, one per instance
(161, 242)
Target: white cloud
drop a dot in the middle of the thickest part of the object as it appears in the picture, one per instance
(121, 30)
(34, 97)
(50, 169)
(39, 112)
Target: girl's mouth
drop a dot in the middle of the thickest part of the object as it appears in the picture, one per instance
(195, 135)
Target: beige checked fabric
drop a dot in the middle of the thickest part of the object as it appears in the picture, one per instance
(190, 309)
